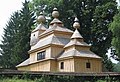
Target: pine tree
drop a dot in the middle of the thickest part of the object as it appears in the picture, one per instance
(8, 40)
(16, 38)
(27, 21)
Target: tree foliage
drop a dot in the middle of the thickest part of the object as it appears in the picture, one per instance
(117, 67)
(8, 41)
(94, 15)
(115, 28)
(15, 43)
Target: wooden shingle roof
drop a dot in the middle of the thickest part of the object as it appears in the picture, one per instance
(76, 34)
(40, 27)
(52, 39)
(26, 62)
(82, 53)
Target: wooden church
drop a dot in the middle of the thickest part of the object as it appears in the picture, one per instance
(58, 49)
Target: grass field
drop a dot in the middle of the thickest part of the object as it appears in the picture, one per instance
(15, 80)
(22, 80)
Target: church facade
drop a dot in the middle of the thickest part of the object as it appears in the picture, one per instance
(58, 49)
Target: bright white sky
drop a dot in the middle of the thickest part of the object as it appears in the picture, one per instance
(7, 7)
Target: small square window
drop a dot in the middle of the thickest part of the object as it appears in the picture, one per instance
(88, 65)
(62, 65)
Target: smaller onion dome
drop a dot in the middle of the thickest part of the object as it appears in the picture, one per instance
(76, 25)
(55, 13)
(41, 18)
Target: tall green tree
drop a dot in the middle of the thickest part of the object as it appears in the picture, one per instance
(27, 22)
(94, 15)
(16, 38)
(8, 41)
(115, 28)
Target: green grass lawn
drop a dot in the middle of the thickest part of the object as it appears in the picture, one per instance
(15, 80)
(21, 80)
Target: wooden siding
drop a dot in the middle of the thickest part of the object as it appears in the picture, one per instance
(79, 48)
(63, 34)
(46, 65)
(69, 48)
(55, 51)
(68, 65)
(40, 66)
(80, 65)
(82, 48)
(24, 68)
(32, 57)
(53, 66)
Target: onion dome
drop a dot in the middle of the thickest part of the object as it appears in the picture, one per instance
(55, 13)
(41, 18)
(76, 25)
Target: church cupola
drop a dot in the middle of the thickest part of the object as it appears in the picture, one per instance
(76, 38)
(56, 21)
(38, 30)
(40, 21)
(56, 27)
